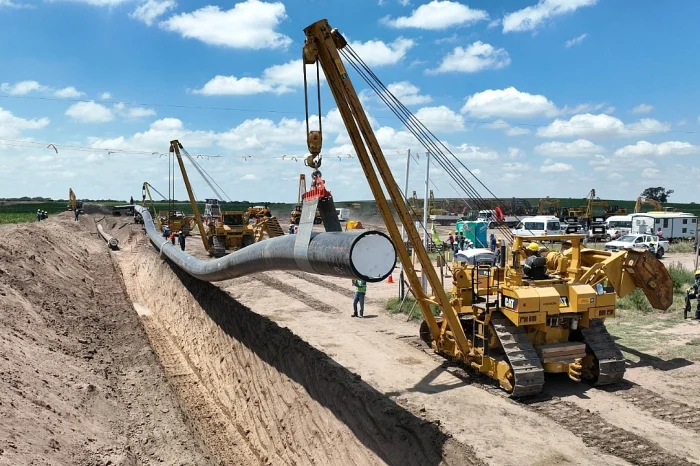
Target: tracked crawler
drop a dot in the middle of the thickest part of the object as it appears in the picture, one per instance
(504, 323)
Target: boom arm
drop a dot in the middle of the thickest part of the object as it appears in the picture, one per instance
(322, 47)
(175, 147)
(645, 200)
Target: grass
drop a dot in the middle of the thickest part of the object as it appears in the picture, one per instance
(681, 277)
(26, 212)
(683, 247)
(393, 305)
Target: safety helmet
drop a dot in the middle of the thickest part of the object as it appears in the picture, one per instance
(498, 242)
(38, 210)
(697, 272)
(533, 247)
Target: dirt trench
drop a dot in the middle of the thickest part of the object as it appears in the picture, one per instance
(281, 400)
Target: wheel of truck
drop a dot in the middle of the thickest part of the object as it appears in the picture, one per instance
(660, 253)
(607, 238)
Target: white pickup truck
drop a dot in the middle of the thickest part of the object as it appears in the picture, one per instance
(652, 243)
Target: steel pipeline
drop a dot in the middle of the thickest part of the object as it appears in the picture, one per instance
(357, 254)
(111, 240)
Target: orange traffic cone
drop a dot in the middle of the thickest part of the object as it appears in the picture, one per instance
(390, 279)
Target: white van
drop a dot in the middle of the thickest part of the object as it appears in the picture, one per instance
(615, 223)
(538, 225)
(343, 214)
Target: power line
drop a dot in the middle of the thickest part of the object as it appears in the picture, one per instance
(286, 112)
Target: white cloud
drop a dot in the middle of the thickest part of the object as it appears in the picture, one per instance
(600, 126)
(531, 17)
(476, 57)
(11, 126)
(650, 173)
(151, 10)
(377, 53)
(250, 177)
(515, 153)
(438, 15)
(11, 4)
(557, 167)
(440, 119)
(664, 149)
(643, 108)
(468, 152)
(408, 94)
(578, 148)
(108, 3)
(105, 96)
(278, 79)
(249, 24)
(25, 87)
(575, 40)
(508, 129)
(508, 102)
(515, 167)
(90, 112)
(68, 93)
(140, 112)
(22, 87)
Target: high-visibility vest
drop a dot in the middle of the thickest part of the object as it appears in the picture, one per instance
(361, 286)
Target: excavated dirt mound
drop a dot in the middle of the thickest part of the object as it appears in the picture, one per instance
(79, 382)
(281, 400)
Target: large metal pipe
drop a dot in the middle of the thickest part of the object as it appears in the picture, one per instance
(355, 254)
(111, 240)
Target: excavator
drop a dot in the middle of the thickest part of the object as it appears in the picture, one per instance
(647, 201)
(549, 207)
(587, 212)
(295, 216)
(73, 202)
(511, 325)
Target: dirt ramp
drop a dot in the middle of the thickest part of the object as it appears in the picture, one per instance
(79, 383)
(292, 403)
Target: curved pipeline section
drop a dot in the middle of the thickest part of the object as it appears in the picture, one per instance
(363, 255)
(111, 240)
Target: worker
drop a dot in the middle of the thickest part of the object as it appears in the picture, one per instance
(131, 200)
(296, 229)
(38, 215)
(166, 232)
(535, 267)
(618, 235)
(492, 242)
(46, 215)
(451, 240)
(461, 240)
(77, 214)
(659, 233)
(360, 291)
(172, 237)
(693, 292)
(497, 258)
(181, 239)
(291, 228)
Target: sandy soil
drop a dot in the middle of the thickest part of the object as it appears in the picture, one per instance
(271, 369)
(79, 383)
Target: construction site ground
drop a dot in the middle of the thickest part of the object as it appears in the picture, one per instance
(120, 358)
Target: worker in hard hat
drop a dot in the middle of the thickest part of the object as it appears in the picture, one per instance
(535, 266)
(497, 257)
(181, 239)
(692, 293)
(38, 215)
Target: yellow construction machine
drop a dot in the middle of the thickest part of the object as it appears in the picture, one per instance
(295, 216)
(549, 207)
(266, 226)
(259, 211)
(354, 225)
(510, 325)
(648, 201)
(73, 202)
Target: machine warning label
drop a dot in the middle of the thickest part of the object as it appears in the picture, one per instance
(563, 301)
(508, 302)
(586, 300)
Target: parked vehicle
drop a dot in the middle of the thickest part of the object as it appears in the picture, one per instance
(673, 225)
(538, 225)
(618, 223)
(658, 246)
(343, 214)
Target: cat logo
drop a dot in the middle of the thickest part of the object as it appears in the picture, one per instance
(510, 303)
(563, 301)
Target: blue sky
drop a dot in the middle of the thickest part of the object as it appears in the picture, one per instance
(549, 97)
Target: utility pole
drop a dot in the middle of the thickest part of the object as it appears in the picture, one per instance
(402, 291)
(424, 277)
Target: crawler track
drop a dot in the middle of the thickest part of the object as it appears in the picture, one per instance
(611, 362)
(528, 375)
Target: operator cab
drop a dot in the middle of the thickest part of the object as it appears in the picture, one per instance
(478, 256)
(233, 220)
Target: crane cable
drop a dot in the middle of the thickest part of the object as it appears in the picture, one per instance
(425, 136)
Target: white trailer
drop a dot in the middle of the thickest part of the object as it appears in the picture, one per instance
(673, 225)
(618, 223)
(490, 217)
(444, 219)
